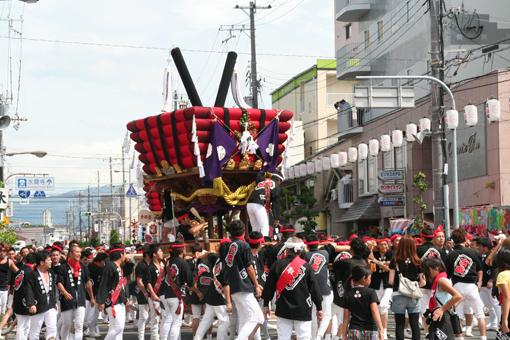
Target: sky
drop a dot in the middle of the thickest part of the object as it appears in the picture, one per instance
(79, 83)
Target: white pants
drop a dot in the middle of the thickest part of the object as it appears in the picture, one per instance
(49, 318)
(319, 329)
(492, 305)
(91, 315)
(23, 326)
(337, 318)
(196, 311)
(472, 300)
(424, 301)
(303, 329)
(117, 323)
(4, 294)
(220, 312)
(171, 321)
(143, 316)
(249, 314)
(154, 319)
(69, 318)
(259, 219)
(384, 295)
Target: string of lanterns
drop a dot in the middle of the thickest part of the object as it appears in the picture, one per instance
(386, 142)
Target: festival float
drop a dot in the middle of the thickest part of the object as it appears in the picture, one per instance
(205, 159)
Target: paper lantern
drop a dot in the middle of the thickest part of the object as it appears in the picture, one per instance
(352, 154)
(343, 158)
(397, 138)
(310, 168)
(334, 160)
(291, 172)
(424, 124)
(385, 143)
(302, 170)
(451, 119)
(373, 147)
(493, 110)
(318, 165)
(471, 115)
(411, 131)
(362, 151)
(326, 163)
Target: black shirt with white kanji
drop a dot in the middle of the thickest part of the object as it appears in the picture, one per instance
(259, 195)
(74, 286)
(358, 301)
(295, 301)
(214, 295)
(23, 291)
(427, 250)
(258, 265)
(488, 271)
(109, 281)
(341, 274)
(318, 260)
(237, 262)
(177, 273)
(463, 265)
(45, 292)
(152, 277)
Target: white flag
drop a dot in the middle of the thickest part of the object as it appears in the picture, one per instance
(132, 166)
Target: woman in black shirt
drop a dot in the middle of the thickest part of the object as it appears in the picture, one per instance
(407, 263)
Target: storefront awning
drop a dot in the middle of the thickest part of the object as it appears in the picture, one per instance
(364, 209)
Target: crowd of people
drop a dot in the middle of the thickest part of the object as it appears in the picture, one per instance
(317, 288)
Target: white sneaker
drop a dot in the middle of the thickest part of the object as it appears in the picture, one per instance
(469, 332)
(408, 334)
(493, 327)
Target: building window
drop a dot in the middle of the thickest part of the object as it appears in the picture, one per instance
(348, 31)
(380, 31)
(388, 162)
(367, 39)
(367, 176)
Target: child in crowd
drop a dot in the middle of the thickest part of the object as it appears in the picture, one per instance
(361, 313)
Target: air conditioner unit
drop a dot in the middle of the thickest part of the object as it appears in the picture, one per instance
(333, 195)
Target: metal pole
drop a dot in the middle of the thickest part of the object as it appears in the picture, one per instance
(455, 180)
(123, 199)
(254, 81)
(2, 156)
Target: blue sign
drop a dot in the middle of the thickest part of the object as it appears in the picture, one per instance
(39, 194)
(24, 193)
(131, 191)
(391, 201)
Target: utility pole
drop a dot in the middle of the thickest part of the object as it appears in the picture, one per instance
(254, 83)
(98, 205)
(436, 64)
(88, 212)
(123, 199)
(80, 224)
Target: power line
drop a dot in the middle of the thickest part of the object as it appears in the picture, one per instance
(159, 48)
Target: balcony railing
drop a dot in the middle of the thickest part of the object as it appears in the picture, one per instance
(351, 122)
(351, 10)
(352, 61)
(345, 192)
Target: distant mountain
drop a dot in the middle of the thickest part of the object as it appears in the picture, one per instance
(60, 205)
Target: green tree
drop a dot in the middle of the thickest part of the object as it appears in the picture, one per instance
(94, 241)
(114, 236)
(7, 235)
(301, 206)
(420, 183)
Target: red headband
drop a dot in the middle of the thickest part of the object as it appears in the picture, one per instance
(352, 237)
(178, 245)
(438, 230)
(343, 243)
(381, 240)
(288, 230)
(394, 237)
(256, 240)
(312, 243)
(114, 250)
(57, 248)
(182, 217)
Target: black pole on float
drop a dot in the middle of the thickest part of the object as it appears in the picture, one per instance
(180, 64)
(228, 70)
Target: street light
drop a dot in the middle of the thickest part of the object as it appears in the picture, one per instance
(38, 154)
